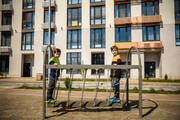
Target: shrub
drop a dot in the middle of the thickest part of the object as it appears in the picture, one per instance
(166, 77)
(147, 76)
(67, 82)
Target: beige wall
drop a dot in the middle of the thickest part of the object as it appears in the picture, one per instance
(38, 38)
(15, 64)
(169, 57)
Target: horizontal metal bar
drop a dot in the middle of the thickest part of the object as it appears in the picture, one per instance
(93, 67)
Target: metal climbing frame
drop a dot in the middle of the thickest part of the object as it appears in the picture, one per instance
(96, 67)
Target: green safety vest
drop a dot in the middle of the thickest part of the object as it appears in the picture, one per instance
(55, 60)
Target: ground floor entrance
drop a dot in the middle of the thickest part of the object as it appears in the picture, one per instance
(28, 63)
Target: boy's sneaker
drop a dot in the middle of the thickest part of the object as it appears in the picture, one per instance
(117, 100)
(51, 100)
(112, 99)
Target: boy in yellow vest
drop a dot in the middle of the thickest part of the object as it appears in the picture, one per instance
(115, 74)
(54, 74)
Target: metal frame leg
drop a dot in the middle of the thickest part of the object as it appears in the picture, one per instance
(84, 79)
(70, 85)
(97, 80)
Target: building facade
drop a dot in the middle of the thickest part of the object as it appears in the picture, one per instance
(85, 30)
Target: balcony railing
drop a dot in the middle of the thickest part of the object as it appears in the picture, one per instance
(46, 4)
(6, 7)
(138, 20)
(46, 25)
(141, 45)
(5, 28)
(5, 49)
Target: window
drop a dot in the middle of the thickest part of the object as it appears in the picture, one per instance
(123, 34)
(97, 59)
(46, 17)
(6, 39)
(74, 58)
(74, 16)
(73, 39)
(92, 1)
(177, 34)
(28, 20)
(97, 38)
(151, 33)
(98, 15)
(6, 1)
(46, 37)
(70, 2)
(150, 8)
(29, 4)
(4, 64)
(6, 18)
(177, 9)
(122, 10)
(150, 69)
(27, 41)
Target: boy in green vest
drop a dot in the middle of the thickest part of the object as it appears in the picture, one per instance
(54, 74)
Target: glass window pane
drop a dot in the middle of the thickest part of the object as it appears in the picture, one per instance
(128, 10)
(116, 11)
(177, 9)
(143, 9)
(156, 8)
(122, 34)
(97, 12)
(150, 8)
(122, 10)
(144, 33)
(52, 37)
(116, 34)
(177, 31)
(74, 1)
(69, 17)
(129, 34)
(92, 39)
(150, 33)
(74, 14)
(79, 17)
(157, 32)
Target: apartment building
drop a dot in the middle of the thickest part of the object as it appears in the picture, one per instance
(85, 30)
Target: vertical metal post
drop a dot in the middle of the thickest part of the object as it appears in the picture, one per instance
(127, 93)
(84, 80)
(44, 84)
(140, 91)
(49, 35)
(97, 85)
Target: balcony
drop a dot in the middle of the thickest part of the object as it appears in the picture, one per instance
(5, 50)
(5, 28)
(138, 20)
(46, 25)
(126, 45)
(122, 21)
(141, 45)
(150, 45)
(45, 4)
(6, 7)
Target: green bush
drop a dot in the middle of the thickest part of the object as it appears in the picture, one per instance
(67, 82)
(166, 77)
(147, 76)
